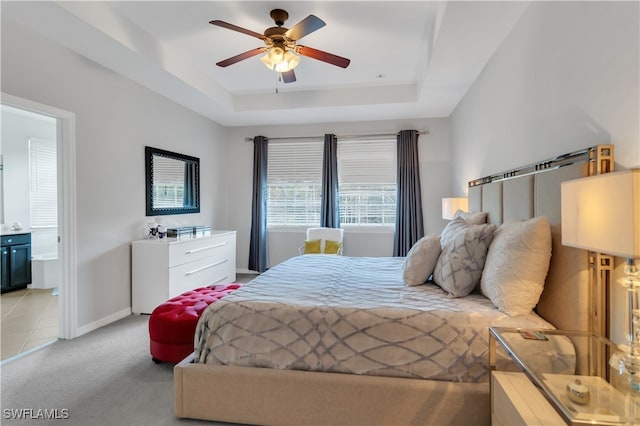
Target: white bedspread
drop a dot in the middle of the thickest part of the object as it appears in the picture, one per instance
(352, 315)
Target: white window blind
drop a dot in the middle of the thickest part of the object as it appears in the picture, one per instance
(294, 176)
(43, 183)
(367, 181)
(168, 182)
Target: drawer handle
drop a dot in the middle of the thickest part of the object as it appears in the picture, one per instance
(206, 248)
(221, 279)
(206, 267)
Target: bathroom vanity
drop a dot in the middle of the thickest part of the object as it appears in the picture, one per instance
(16, 261)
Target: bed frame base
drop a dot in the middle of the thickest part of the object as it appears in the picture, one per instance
(256, 395)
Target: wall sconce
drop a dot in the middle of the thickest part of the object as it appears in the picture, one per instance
(451, 205)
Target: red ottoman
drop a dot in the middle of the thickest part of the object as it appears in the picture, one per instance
(172, 325)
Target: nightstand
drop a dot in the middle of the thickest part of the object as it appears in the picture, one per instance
(531, 371)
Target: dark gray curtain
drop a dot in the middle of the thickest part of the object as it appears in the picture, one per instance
(258, 254)
(189, 183)
(409, 227)
(329, 208)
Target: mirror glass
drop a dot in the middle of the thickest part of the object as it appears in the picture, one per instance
(172, 182)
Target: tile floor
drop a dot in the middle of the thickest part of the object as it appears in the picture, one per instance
(29, 319)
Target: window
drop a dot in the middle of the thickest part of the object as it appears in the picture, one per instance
(294, 183)
(367, 182)
(43, 183)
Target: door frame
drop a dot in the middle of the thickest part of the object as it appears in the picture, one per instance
(67, 228)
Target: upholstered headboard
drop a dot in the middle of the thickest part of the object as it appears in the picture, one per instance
(534, 190)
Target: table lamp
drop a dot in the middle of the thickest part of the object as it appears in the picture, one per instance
(602, 214)
(451, 205)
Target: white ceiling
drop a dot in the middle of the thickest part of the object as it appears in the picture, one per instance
(413, 59)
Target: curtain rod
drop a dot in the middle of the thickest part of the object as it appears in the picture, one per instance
(375, 135)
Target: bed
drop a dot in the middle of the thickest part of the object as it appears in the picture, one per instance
(393, 373)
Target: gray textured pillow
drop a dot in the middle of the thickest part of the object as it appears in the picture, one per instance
(460, 217)
(421, 259)
(464, 251)
(472, 218)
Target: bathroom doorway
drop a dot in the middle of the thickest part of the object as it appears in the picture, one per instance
(29, 216)
(38, 195)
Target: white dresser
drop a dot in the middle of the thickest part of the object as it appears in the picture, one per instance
(165, 268)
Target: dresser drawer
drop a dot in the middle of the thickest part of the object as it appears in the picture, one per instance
(199, 273)
(202, 248)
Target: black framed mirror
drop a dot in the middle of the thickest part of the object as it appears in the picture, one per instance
(172, 182)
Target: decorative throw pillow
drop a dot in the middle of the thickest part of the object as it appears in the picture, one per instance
(332, 247)
(459, 267)
(517, 265)
(459, 218)
(421, 259)
(472, 218)
(312, 246)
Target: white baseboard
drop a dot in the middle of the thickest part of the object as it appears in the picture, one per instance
(103, 321)
(246, 271)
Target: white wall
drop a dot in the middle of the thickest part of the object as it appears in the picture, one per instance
(565, 78)
(17, 128)
(434, 173)
(115, 119)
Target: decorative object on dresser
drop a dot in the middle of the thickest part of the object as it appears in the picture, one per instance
(165, 268)
(186, 231)
(602, 214)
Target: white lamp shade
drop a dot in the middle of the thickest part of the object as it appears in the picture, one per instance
(279, 60)
(451, 205)
(602, 213)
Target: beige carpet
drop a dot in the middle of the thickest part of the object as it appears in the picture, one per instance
(103, 378)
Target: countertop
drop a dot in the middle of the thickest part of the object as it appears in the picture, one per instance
(10, 232)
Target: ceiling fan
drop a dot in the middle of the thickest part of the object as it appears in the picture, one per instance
(280, 45)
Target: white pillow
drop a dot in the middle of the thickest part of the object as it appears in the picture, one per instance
(459, 267)
(421, 259)
(517, 265)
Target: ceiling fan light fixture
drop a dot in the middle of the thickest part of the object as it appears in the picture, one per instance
(280, 60)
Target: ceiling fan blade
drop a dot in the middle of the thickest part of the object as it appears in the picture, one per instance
(323, 56)
(237, 28)
(288, 76)
(232, 60)
(305, 27)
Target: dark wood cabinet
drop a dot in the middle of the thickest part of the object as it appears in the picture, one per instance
(16, 261)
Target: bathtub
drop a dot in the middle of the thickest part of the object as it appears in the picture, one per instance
(45, 271)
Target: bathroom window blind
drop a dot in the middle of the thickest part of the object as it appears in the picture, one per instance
(43, 183)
